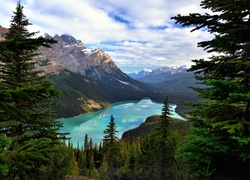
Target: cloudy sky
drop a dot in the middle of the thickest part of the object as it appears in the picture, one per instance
(137, 34)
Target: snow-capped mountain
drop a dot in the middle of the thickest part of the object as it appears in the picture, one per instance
(139, 74)
(165, 69)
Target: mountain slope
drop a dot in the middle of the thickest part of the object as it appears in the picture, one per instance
(89, 79)
(175, 83)
(73, 55)
(80, 94)
(139, 74)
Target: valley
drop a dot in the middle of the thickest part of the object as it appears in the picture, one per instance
(68, 111)
(83, 76)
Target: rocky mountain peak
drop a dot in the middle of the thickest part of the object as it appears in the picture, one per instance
(73, 55)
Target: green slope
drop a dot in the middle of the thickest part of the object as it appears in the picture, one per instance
(151, 122)
(77, 90)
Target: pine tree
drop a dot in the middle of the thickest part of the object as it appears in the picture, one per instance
(219, 143)
(158, 148)
(111, 148)
(26, 97)
(164, 121)
(110, 132)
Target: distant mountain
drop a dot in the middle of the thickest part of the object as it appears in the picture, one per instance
(139, 74)
(158, 75)
(175, 83)
(168, 76)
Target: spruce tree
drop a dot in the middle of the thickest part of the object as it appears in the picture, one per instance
(110, 132)
(26, 97)
(219, 143)
(158, 148)
(111, 148)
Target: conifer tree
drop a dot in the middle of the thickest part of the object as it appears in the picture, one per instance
(158, 148)
(110, 132)
(219, 143)
(26, 97)
(4, 145)
(111, 148)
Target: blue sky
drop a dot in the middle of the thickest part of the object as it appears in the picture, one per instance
(136, 34)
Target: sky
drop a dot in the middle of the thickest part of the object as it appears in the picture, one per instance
(137, 34)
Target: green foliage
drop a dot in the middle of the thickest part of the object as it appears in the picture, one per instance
(41, 158)
(5, 143)
(134, 158)
(25, 97)
(222, 120)
(30, 146)
(112, 157)
(77, 89)
(160, 165)
(110, 132)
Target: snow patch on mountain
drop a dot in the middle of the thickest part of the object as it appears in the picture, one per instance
(139, 74)
(165, 69)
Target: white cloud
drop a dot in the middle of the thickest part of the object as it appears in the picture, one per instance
(133, 33)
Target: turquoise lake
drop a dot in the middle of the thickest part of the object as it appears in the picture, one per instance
(127, 115)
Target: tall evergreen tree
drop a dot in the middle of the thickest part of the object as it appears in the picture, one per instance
(219, 143)
(26, 97)
(110, 132)
(111, 148)
(158, 148)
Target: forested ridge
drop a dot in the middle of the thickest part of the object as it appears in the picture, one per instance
(214, 143)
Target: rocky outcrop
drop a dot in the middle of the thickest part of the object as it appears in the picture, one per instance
(48, 65)
(73, 55)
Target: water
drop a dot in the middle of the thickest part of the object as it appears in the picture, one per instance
(127, 115)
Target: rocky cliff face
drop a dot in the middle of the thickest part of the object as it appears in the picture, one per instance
(73, 55)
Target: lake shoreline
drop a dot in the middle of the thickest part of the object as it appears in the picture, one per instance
(127, 115)
(123, 102)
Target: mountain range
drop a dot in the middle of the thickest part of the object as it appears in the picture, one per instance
(90, 80)
(175, 82)
(158, 75)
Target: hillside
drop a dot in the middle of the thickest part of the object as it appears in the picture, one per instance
(81, 94)
(151, 122)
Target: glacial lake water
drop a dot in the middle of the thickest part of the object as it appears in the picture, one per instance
(127, 115)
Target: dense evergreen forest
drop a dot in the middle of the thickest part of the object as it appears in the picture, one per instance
(213, 144)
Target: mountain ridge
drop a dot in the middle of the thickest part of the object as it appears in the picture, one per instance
(89, 79)
(145, 75)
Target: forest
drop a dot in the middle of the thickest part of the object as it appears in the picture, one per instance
(213, 144)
